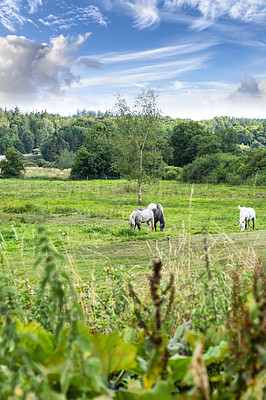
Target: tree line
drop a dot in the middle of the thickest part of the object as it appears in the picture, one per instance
(138, 143)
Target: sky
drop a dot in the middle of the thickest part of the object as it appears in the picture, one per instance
(205, 58)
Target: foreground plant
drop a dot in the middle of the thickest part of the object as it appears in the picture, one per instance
(58, 357)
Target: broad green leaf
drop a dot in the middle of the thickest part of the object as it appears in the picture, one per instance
(114, 354)
(36, 340)
(216, 353)
(154, 369)
(162, 390)
(179, 366)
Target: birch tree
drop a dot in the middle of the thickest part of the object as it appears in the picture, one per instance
(138, 154)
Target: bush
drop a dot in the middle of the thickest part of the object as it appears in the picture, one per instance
(227, 168)
(201, 169)
(12, 166)
(171, 173)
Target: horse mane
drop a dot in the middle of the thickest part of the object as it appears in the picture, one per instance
(160, 207)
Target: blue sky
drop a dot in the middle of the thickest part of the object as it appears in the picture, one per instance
(206, 57)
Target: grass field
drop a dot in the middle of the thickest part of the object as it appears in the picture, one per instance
(89, 221)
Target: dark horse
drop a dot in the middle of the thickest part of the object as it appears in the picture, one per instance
(158, 217)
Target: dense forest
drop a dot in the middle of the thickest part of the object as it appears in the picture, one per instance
(223, 149)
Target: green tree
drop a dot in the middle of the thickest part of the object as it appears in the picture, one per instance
(53, 147)
(93, 159)
(9, 139)
(28, 141)
(228, 138)
(12, 166)
(75, 136)
(138, 155)
(185, 149)
(65, 160)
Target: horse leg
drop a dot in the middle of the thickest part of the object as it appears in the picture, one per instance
(139, 226)
(253, 219)
(248, 224)
(149, 224)
(245, 224)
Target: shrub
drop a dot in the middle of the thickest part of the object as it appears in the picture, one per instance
(12, 166)
(171, 173)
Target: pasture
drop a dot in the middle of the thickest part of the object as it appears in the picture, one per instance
(89, 222)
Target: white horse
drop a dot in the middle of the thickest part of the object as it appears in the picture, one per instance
(140, 216)
(246, 214)
(158, 206)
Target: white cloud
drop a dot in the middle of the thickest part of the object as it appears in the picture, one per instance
(250, 92)
(28, 68)
(149, 12)
(15, 12)
(34, 5)
(10, 14)
(75, 16)
(157, 53)
(138, 76)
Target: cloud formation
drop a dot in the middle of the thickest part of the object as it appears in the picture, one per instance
(34, 5)
(250, 91)
(10, 14)
(75, 16)
(149, 12)
(27, 67)
(14, 13)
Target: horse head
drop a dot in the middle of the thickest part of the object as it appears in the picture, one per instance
(162, 223)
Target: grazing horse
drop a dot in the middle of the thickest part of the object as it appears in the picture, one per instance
(158, 217)
(140, 216)
(246, 214)
(158, 205)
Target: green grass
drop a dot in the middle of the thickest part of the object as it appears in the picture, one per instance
(90, 221)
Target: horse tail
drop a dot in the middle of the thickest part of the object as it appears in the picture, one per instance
(152, 224)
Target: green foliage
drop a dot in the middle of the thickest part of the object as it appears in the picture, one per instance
(65, 160)
(93, 159)
(227, 168)
(8, 139)
(28, 141)
(185, 149)
(190, 140)
(12, 166)
(137, 153)
(61, 358)
(52, 148)
(171, 173)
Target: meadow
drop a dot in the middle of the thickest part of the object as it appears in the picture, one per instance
(89, 311)
(90, 220)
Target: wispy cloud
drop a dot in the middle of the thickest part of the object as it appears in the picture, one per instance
(15, 12)
(149, 12)
(27, 67)
(190, 47)
(144, 74)
(75, 16)
(34, 5)
(10, 14)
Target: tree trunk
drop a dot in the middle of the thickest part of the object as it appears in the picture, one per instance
(139, 193)
(139, 180)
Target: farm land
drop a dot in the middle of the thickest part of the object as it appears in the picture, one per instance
(79, 291)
